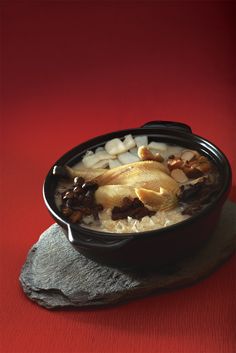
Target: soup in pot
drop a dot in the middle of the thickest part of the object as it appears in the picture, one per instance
(134, 184)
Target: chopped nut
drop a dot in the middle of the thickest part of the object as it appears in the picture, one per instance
(179, 175)
(197, 167)
(145, 154)
(191, 163)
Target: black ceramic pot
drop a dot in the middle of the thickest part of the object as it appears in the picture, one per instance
(152, 248)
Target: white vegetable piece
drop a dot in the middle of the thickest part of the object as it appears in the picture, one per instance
(134, 151)
(90, 160)
(175, 150)
(88, 153)
(115, 146)
(127, 157)
(113, 163)
(159, 146)
(129, 142)
(141, 140)
(99, 149)
(101, 164)
(78, 165)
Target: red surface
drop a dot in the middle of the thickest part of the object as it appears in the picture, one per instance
(75, 70)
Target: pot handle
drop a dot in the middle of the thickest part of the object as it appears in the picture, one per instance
(168, 125)
(85, 241)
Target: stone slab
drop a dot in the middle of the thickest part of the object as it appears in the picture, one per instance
(57, 276)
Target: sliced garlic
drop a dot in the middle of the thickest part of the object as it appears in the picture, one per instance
(141, 140)
(127, 157)
(115, 146)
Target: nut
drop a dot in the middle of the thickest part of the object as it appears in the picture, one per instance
(188, 155)
(175, 163)
(179, 175)
(146, 155)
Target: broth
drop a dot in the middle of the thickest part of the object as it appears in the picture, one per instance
(135, 184)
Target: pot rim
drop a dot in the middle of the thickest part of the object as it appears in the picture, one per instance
(101, 139)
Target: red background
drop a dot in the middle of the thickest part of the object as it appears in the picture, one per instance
(75, 70)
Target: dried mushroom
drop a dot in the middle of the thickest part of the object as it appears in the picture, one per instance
(196, 194)
(131, 208)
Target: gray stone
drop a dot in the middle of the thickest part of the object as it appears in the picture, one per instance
(56, 276)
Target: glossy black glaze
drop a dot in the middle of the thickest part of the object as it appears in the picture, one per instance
(152, 248)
